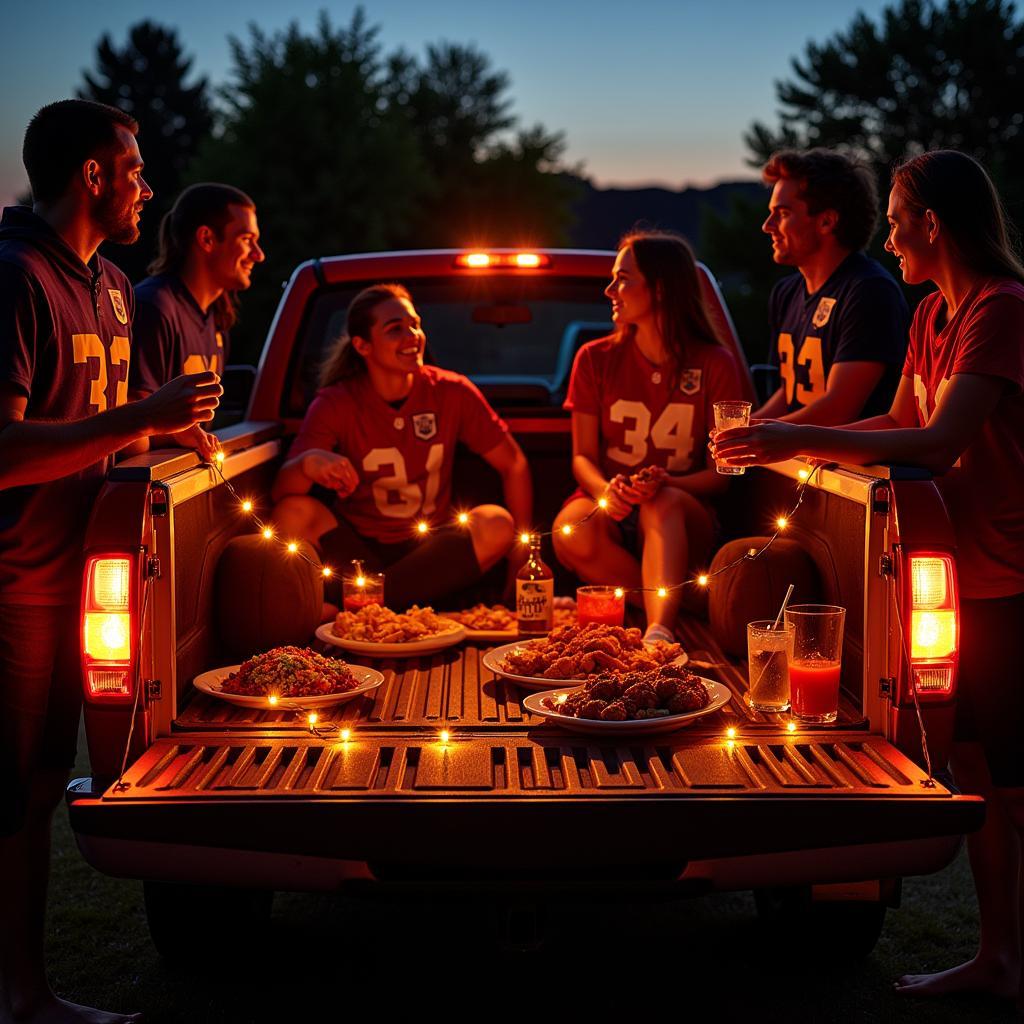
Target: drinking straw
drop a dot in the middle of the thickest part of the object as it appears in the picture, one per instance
(785, 601)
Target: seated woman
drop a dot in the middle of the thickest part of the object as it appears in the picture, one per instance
(381, 434)
(642, 399)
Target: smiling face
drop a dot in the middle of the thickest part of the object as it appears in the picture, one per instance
(396, 341)
(629, 292)
(123, 191)
(797, 235)
(910, 239)
(234, 251)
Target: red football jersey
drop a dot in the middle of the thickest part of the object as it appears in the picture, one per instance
(645, 421)
(984, 491)
(403, 455)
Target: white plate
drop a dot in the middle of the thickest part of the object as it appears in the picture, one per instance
(436, 642)
(720, 696)
(493, 660)
(211, 682)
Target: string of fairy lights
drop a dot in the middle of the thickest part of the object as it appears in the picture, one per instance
(423, 528)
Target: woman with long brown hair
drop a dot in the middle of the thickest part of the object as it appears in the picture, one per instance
(381, 434)
(959, 412)
(641, 399)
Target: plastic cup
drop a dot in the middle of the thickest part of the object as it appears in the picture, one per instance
(360, 589)
(599, 604)
(769, 652)
(731, 414)
(817, 661)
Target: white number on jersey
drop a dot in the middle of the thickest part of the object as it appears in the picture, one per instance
(921, 394)
(394, 495)
(672, 432)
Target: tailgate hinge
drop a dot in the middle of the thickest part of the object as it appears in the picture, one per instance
(880, 499)
(153, 567)
(158, 501)
(154, 689)
(885, 565)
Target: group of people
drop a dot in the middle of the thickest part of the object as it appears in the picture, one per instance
(90, 368)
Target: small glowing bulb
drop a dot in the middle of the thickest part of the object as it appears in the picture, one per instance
(267, 533)
(730, 744)
(463, 518)
(566, 530)
(360, 581)
(619, 592)
(327, 571)
(702, 579)
(272, 700)
(782, 522)
(346, 735)
(292, 546)
(313, 718)
(524, 538)
(662, 592)
(422, 527)
(803, 474)
(220, 458)
(247, 505)
(791, 726)
(731, 732)
(445, 735)
(602, 502)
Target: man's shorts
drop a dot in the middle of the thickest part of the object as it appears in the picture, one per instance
(990, 693)
(40, 700)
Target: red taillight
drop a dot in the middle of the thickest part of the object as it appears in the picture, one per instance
(934, 630)
(107, 627)
(487, 260)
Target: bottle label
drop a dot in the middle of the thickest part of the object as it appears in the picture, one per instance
(535, 604)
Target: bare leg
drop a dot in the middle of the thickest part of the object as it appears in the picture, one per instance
(299, 517)
(995, 864)
(25, 995)
(493, 534)
(674, 525)
(594, 550)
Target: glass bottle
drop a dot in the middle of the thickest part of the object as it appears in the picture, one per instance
(535, 594)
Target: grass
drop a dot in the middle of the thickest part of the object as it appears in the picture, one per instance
(328, 957)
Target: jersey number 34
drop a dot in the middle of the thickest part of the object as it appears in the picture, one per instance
(672, 432)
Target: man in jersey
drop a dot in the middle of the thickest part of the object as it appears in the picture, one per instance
(381, 434)
(839, 325)
(208, 245)
(642, 400)
(65, 339)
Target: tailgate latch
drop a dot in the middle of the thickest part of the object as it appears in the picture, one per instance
(154, 689)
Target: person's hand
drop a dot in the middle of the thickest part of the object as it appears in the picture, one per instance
(647, 482)
(762, 442)
(331, 470)
(616, 494)
(181, 403)
(205, 444)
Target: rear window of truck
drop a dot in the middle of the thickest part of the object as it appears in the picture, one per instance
(514, 336)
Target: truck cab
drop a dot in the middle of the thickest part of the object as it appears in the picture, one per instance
(443, 778)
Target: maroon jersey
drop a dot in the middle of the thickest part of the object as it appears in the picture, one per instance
(65, 338)
(403, 455)
(984, 491)
(645, 420)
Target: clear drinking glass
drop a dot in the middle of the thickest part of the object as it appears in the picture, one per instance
(769, 652)
(817, 660)
(360, 589)
(599, 604)
(731, 414)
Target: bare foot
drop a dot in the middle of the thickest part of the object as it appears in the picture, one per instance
(52, 1010)
(985, 976)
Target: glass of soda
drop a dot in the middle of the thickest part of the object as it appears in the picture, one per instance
(769, 653)
(817, 660)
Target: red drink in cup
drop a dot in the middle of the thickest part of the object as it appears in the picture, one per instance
(360, 589)
(817, 660)
(600, 604)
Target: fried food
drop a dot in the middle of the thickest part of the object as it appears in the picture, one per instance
(655, 693)
(374, 623)
(483, 616)
(290, 672)
(571, 652)
(646, 476)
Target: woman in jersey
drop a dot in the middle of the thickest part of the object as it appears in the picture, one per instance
(381, 434)
(642, 399)
(959, 411)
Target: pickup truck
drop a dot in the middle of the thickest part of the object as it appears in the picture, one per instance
(215, 806)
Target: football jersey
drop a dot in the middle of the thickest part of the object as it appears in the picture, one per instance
(858, 315)
(403, 456)
(65, 337)
(984, 491)
(644, 419)
(171, 335)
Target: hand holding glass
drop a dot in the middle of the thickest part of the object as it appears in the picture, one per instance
(731, 414)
